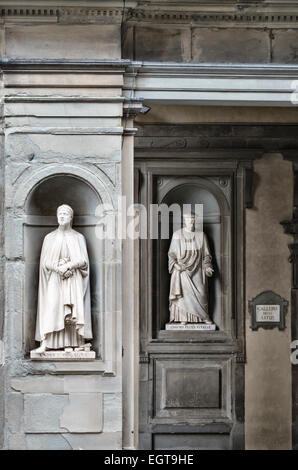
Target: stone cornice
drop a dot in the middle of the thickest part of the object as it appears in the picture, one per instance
(202, 13)
(114, 65)
(179, 84)
(154, 68)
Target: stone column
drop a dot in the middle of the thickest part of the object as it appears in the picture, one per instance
(267, 371)
(130, 322)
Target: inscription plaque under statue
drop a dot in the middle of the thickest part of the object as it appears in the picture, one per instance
(190, 327)
(63, 356)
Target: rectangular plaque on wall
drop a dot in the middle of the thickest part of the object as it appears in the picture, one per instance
(268, 310)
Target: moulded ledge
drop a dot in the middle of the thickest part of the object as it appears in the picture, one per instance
(193, 336)
(96, 366)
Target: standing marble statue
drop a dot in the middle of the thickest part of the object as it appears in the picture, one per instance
(63, 312)
(189, 266)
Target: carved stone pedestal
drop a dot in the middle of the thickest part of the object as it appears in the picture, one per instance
(190, 327)
(63, 356)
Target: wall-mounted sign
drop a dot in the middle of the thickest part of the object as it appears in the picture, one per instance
(268, 310)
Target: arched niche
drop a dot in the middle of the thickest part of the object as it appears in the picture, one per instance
(44, 199)
(40, 218)
(213, 194)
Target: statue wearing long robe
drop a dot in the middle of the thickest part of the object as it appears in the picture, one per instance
(189, 286)
(64, 312)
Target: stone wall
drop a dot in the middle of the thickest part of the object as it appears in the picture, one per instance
(268, 388)
(64, 122)
(165, 31)
(211, 45)
(67, 118)
(268, 371)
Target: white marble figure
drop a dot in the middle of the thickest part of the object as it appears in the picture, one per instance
(189, 266)
(64, 311)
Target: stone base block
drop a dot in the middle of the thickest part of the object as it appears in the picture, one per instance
(63, 356)
(190, 327)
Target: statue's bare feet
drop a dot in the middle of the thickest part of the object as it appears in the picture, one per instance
(209, 322)
(41, 349)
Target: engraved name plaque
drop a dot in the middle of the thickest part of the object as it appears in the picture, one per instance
(268, 310)
(269, 313)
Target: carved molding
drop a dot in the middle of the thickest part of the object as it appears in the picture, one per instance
(144, 359)
(62, 15)
(282, 14)
(218, 18)
(241, 358)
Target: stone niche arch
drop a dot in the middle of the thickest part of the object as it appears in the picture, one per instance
(214, 194)
(84, 191)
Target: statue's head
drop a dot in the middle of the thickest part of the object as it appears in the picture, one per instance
(64, 214)
(189, 221)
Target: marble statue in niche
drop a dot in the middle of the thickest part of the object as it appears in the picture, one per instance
(190, 265)
(63, 321)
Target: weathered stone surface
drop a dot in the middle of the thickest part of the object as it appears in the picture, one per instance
(13, 278)
(100, 109)
(66, 80)
(46, 384)
(16, 442)
(220, 46)
(15, 412)
(285, 46)
(47, 442)
(112, 412)
(83, 413)
(127, 42)
(13, 309)
(13, 234)
(143, 372)
(2, 41)
(268, 387)
(15, 328)
(63, 41)
(69, 122)
(13, 173)
(162, 44)
(106, 440)
(43, 411)
(91, 384)
(57, 148)
(191, 441)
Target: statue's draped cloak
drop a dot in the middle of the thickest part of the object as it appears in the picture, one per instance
(58, 297)
(189, 288)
